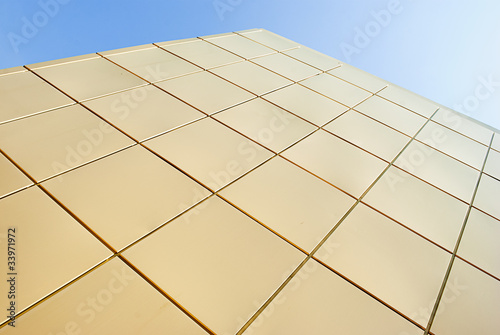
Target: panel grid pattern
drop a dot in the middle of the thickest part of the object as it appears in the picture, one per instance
(243, 184)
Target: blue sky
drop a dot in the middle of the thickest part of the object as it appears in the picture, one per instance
(445, 50)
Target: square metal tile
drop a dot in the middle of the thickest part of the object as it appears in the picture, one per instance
(369, 134)
(23, 94)
(12, 178)
(317, 301)
(388, 260)
(461, 124)
(479, 244)
(313, 58)
(487, 196)
(470, 303)
(210, 152)
(126, 195)
(442, 171)
(266, 124)
(144, 112)
(49, 143)
(410, 100)
(336, 161)
(290, 201)
(206, 91)
(492, 166)
(154, 64)
(109, 300)
(306, 103)
(359, 77)
(202, 53)
(252, 77)
(51, 248)
(270, 39)
(419, 206)
(453, 144)
(90, 78)
(337, 89)
(392, 115)
(216, 262)
(286, 66)
(241, 46)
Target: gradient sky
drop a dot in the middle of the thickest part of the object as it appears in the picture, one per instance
(445, 50)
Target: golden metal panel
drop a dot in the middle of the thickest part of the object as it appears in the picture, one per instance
(126, 195)
(206, 91)
(359, 77)
(241, 46)
(23, 94)
(368, 134)
(210, 152)
(419, 206)
(492, 166)
(266, 124)
(50, 247)
(286, 66)
(336, 89)
(410, 100)
(216, 262)
(50, 143)
(251, 77)
(313, 58)
(12, 179)
(89, 78)
(290, 201)
(487, 196)
(338, 162)
(144, 112)
(306, 103)
(270, 39)
(453, 120)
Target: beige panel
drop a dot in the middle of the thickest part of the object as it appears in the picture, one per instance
(440, 170)
(492, 166)
(290, 201)
(487, 196)
(51, 248)
(63, 61)
(266, 124)
(112, 299)
(287, 66)
(154, 64)
(479, 243)
(49, 143)
(210, 152)
(126, 195)
(359, 77)
(410, 100)
(217, 263)
(453, 144)
(12, 179)
(368, 134)
(314, 58)
(470, 303)
(388, 260)
(202, 53)
(336, 89)
(241, 46)
(306, 103)
(252, 77)
(270, 39)
(12, 70)
(461, 124)
(127, 49)
(90, 78)
(419, 206)
(338, 162)
(205, 91)
(317, 301)
(392, 115)
(144, 112)
(496, 142)
(23, 94)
